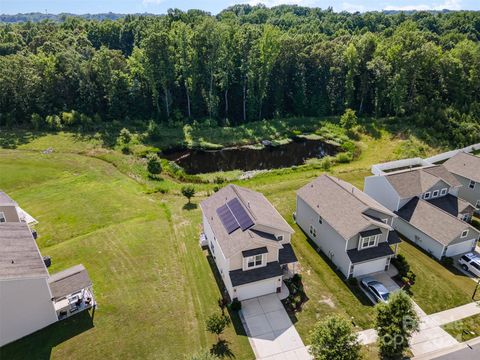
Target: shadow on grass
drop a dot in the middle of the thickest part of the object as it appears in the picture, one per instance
(222, 349)
(39, 345)
(359, 294)
(189, 206)
(234, 315)
(11, 139)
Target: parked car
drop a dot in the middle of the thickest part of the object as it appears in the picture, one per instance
(470, 262)
(376, 289)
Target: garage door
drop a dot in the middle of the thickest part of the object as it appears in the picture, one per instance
(369, 267)
(258, 288)
(460, 248)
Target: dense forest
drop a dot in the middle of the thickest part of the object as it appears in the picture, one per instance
(244, 64)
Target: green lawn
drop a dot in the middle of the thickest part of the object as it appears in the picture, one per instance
(437, 288)
(153, 283)
(465, 329)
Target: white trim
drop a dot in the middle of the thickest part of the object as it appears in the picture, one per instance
(280, 237)
(368, 240)
(435, 191)
(426, 196)
(464, 234)
(443, 192)
(2, 217)
(472, 182)
(253, 259)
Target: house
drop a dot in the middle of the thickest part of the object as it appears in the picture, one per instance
(31, 298)
(466, 168)
(249, 241)
(353, 230)
(11, 212)
(426, 200)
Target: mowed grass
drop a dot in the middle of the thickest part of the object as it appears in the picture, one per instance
(436, 288)
(465, 329)
(153, 283)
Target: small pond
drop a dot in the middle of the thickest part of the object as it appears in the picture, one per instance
(247, 158)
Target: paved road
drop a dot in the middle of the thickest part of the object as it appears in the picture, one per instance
(468, 353)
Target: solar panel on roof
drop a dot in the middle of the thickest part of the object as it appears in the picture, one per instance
(240, 214)
(228, 220)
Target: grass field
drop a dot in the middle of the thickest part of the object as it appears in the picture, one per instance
(153, 284)
(465, 329)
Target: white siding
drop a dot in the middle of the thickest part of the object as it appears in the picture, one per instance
(25, 307)
(461, 248)
(369, 267)
(257, 288)
(381, 190)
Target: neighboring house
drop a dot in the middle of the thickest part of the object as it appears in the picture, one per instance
(349, 227)
(11, 212)
(249, 240)
(466, 168)
(426, 200)
(31, 299)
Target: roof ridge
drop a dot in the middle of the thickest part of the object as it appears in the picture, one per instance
(234, 188)
(445, 212)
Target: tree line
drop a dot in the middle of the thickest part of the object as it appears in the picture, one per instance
(245, 64)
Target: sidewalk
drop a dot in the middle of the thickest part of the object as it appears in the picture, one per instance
(431, 337)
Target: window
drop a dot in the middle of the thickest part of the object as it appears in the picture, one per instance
(368, 241)
(255, 261)
(320, 220)
(472, 184)
(427, 195)
(312, 231)
(475, 265)
(2, 217)
(465, 217)
(435, 193)
(464, 233)
(443, 191)
(417, 238)
(280, 237)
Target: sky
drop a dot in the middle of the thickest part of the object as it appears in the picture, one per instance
(215, 6)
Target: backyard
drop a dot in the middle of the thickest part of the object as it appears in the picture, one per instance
(153, 283)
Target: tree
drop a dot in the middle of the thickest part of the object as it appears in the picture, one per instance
(216, 324)
(348, 119)
(125, 136)
(154, 166)
(333, 339)
(396, 321)
(188, 191)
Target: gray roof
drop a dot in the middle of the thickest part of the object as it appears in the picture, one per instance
(342, 205)
(69, 281)
(464, 164)
(286, 255)
(240, 277)
(253, 252)
(377, 252)
(260, 210)
(6, 200)
(414, 182)
(393, 238)
(433, 221)
(452, 205)
(19, 254)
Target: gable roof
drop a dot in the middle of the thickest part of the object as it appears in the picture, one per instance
(452, 205)
(68, 281)
(342, 205)
(414, 182)
(433, 221)
(464, 164)
(6, 200)
(258, 208)
(19, 254)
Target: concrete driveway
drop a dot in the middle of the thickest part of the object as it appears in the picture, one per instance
(270, 330)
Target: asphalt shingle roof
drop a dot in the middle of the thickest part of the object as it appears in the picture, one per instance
(240, 277)
(380, 251)
(69, 281)
(465, 165)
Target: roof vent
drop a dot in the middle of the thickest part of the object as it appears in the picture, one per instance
(13, 261)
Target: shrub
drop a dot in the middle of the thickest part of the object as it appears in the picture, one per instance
(353, 282)
(447, 261)
(154, 165)
(216, 188)
(343, 158)
(401, 264)
(219, 180)
(216, 324)
(125, 136)
(37, 121)
(348, 119)
(53, 122)
(126, 149)
(236, 305)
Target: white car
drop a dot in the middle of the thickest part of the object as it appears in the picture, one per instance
(470, 262)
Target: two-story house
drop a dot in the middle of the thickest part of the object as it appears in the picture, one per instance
(466, 168)
(31, 298)
(430, 213)
(353, 230)
(249, 240)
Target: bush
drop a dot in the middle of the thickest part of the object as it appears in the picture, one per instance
(353, 282)
(219, 180)
(349, 119)
(154, 165)
(125, 136)
(343, 158)
(447, 261)
(236, 305)
(401, 264)
(37, 121)
(126, 149)
(53, 122)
